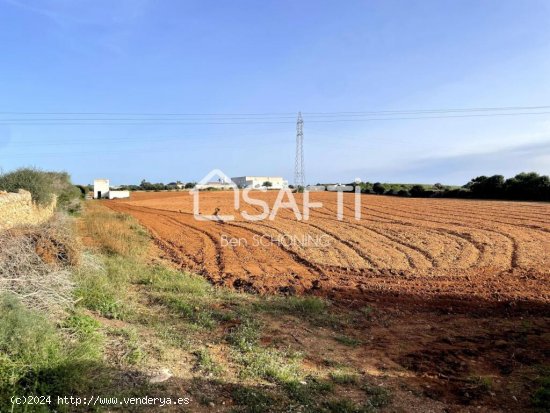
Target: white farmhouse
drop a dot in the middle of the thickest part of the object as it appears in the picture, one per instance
(277, 182)
(102, 190)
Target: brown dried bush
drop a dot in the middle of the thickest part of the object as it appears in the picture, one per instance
(35, 265)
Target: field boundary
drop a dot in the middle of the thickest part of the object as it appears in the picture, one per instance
(19, 209)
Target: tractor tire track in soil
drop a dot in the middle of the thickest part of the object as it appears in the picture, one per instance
(427, 252)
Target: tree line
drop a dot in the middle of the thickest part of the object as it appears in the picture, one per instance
(159, 186)
(525, 186)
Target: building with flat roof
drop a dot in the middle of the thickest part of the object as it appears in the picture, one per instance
(214, 185)
(102, 190)
(257, 182)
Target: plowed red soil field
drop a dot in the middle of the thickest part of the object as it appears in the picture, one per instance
(457, 292)
(430, 252)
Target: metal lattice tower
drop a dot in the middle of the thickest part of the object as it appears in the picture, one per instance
(299, 169)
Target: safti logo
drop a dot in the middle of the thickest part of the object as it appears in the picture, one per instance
(285, 200)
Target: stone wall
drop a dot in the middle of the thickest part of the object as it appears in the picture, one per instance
(19, 209)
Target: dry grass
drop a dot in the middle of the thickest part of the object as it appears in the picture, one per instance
(113, 233)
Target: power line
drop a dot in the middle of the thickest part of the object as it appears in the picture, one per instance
(163, 121)
(120, 139)
(286, 115)
(416, 111)
(431, 117)
(146, 113)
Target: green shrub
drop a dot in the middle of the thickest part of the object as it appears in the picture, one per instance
(541, 397)
(38, 183)
(68, 195)
(43, 186)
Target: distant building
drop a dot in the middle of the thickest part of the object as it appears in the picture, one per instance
(215, 185)
(177, 184)
(257, 182)
(102, 190)
(119, 194)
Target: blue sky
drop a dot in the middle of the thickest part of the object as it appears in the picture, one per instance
(253, 57)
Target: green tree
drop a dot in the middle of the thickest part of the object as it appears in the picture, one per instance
(417, 191)
(487, 187)
(378, 188)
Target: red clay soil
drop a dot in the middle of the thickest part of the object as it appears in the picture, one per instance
(456, 292)
(434, 252)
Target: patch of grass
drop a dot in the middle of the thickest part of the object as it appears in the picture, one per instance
(252, 400)
(197, 314)
(307, 391)
(343, 406)
(103, 286)
(309, 306)
(132, 351)
(367, 311)
(245, 337)
(86, 330)
(188, 296)
(332, 363)
(162, 279)
(174, 336)
(377, 396)
(481, 383)
(344, 377)
(206, 363)
(541, 397)
(97, 291)
(270, 364)
(27, 341)
(257, 361)
(347, 341)
(114, 233)
(36, 359)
